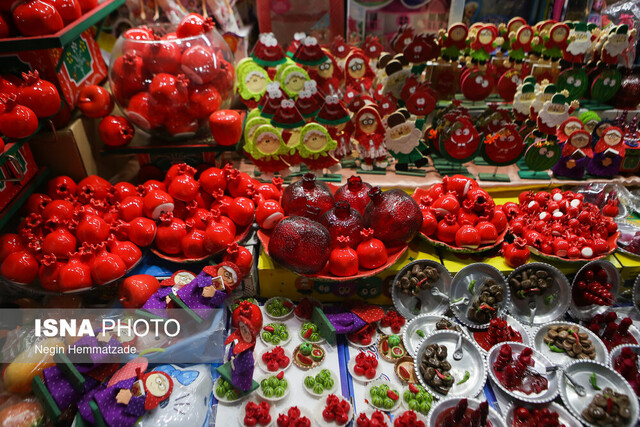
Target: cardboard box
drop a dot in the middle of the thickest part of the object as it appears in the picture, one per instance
(17, 170)
(82, 64)
(276, 281)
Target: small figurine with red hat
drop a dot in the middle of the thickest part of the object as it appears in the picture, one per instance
(267, 150)
(335, 117)
(309, 52)
(327, 74)
(612, 46)
(211, 287)
(370, 136)
(520, 43)
(608, 153)
(404, 140)
(252, 82)
(572, 124)
(555, 41)
(554, 113)
(576, 155)
(483, 43)
(357, 71)
(247, 321)
(290, 121)
(512, 28)
(267, 52)
(316, 146)
(581, 39)
(292, 80)
(453, 42)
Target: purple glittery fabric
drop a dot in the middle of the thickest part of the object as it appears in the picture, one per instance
(157, 303)
(61, 389)
(83, 404)
(242, 370)
(191, 294)
(116, 414)
(343, 321)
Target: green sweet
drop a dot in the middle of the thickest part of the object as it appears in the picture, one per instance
(314, 337)
(284, 335)
(274, 382)
(407, 396)
(393, 340)
(266, 336)
(279, 391)
(320, 378)
(309, 382)
(275, 311)
(279, 327)
(275, 340)
(325, 372)
(318, 388)
(221, 391)
(231, 395)
(374, 392)
(264, 383)
(377, 401)
(268, 392)
(421, 397)
(414, 405)
(388, 403)
(310, 325)
(425, 407)
(384, 388)
(284, 384)
(328, 383)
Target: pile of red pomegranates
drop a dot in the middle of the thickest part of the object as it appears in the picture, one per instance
(40, 17)
(170, 84)
(560, 224)
(460, 215)
(356, 231)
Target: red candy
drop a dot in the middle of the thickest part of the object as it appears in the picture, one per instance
(336, 410)
(276, 359)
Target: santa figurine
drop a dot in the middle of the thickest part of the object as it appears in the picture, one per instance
(544, 94)
(316, 146)
(335, 117)
(370, 136)
(522, 102)
(555, 41)
(581, 39)
(613, 45)
(357, 71)
(404, 140)
(247, 321)
(397, 72)
(576, 155)
(564, 131)
(608, 153)
(554, 113)
(211, 287)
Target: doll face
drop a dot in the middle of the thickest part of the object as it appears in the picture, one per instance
(515, 26)
(590, 125)
(325, 70)
(368, 123)
(255, 82)
(612, 139)
(457, 34)
(268, 143)
(157, 384)
(560, 34)
(571, 127)
(485, 36)
(356, 68)
(579, 141)
(315, 141)
(525, 36)
(227, 276)
(295, 82)
(600, 129)
(401, 131)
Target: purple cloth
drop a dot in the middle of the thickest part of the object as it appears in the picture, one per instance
(242, 367)
(191, 294)
(83, 404)
(344, 321)
(577, 172)
(157, 303)
(96, 357)
(63, 393)
(117, 414)
(596, 168)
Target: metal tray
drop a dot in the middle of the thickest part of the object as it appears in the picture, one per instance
(494, 417)
(563, 359)
(540, 362)
(460, 289)
(588, 311)
(519, 327)
(545, 312)
(636, 295)
(607, 377)
(564, 416)
(472, 361)
(615, 352)
(405, 304)
(427, 324)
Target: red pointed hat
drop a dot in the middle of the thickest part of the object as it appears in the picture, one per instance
(287, 116)
(270, 101)
(333, 112)
(267, 52)
(309, 52)
(297, 38)
(307, 104)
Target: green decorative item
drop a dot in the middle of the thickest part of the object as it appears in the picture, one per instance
(292, 80)
(309, 382)
(318, 388)
(252, 81)
(606, 85)
(575, 81)
(542, 154)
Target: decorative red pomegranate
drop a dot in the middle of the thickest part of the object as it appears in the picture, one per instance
(342, 220)
(300, 244)
(393, 215)
(356, 192)
(307, 197)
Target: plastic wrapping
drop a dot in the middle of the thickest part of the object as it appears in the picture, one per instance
(19, 411)
(599, 194)
(624, 12)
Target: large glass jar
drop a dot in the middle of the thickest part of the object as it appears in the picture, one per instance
(168, 87)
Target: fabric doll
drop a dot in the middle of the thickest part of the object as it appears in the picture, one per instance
(404, 140)
(370, 136)
(292, 80)
(397, 72)
(608, 153)
(555, 42)
(252, 83)
(599, 129)
(247, 321)
(506, 31)
(520, 44)
(290, 121)
(327, 74)
(453, 41)
(483, 43)
(159, 301)
(334, 116)
(211, 287)
(567, 127)
(576, 155)
(613, 45)
(357, 71)
(554, 113)
(590, 120)
(315, 148)
(581, 38)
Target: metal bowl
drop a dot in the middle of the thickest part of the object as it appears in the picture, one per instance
(562, 358)
(472, 361)
(540, 363)
(564, 416)
(615, 352)
(636, 295)
(546, 310)
(427, 324)
(460, 289)
(517, 326)
(588, 311)
(494, 417)
(581, 371)
(405, 304)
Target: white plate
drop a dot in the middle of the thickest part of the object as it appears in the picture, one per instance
(564, 416)
(378, 383)
(387, 330)
(263, 365)
(515, 325)
(286, 316)
(562, 358)
(300, 332)
(374, 340)
(281, 343)
(312, 373)
(242, 412)
(494, 417)
(419, 416)
(223, 399)
(361, 379)
(320, 419)
(427, 324)
(540, 363)
(405, 405)
(272, 399)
